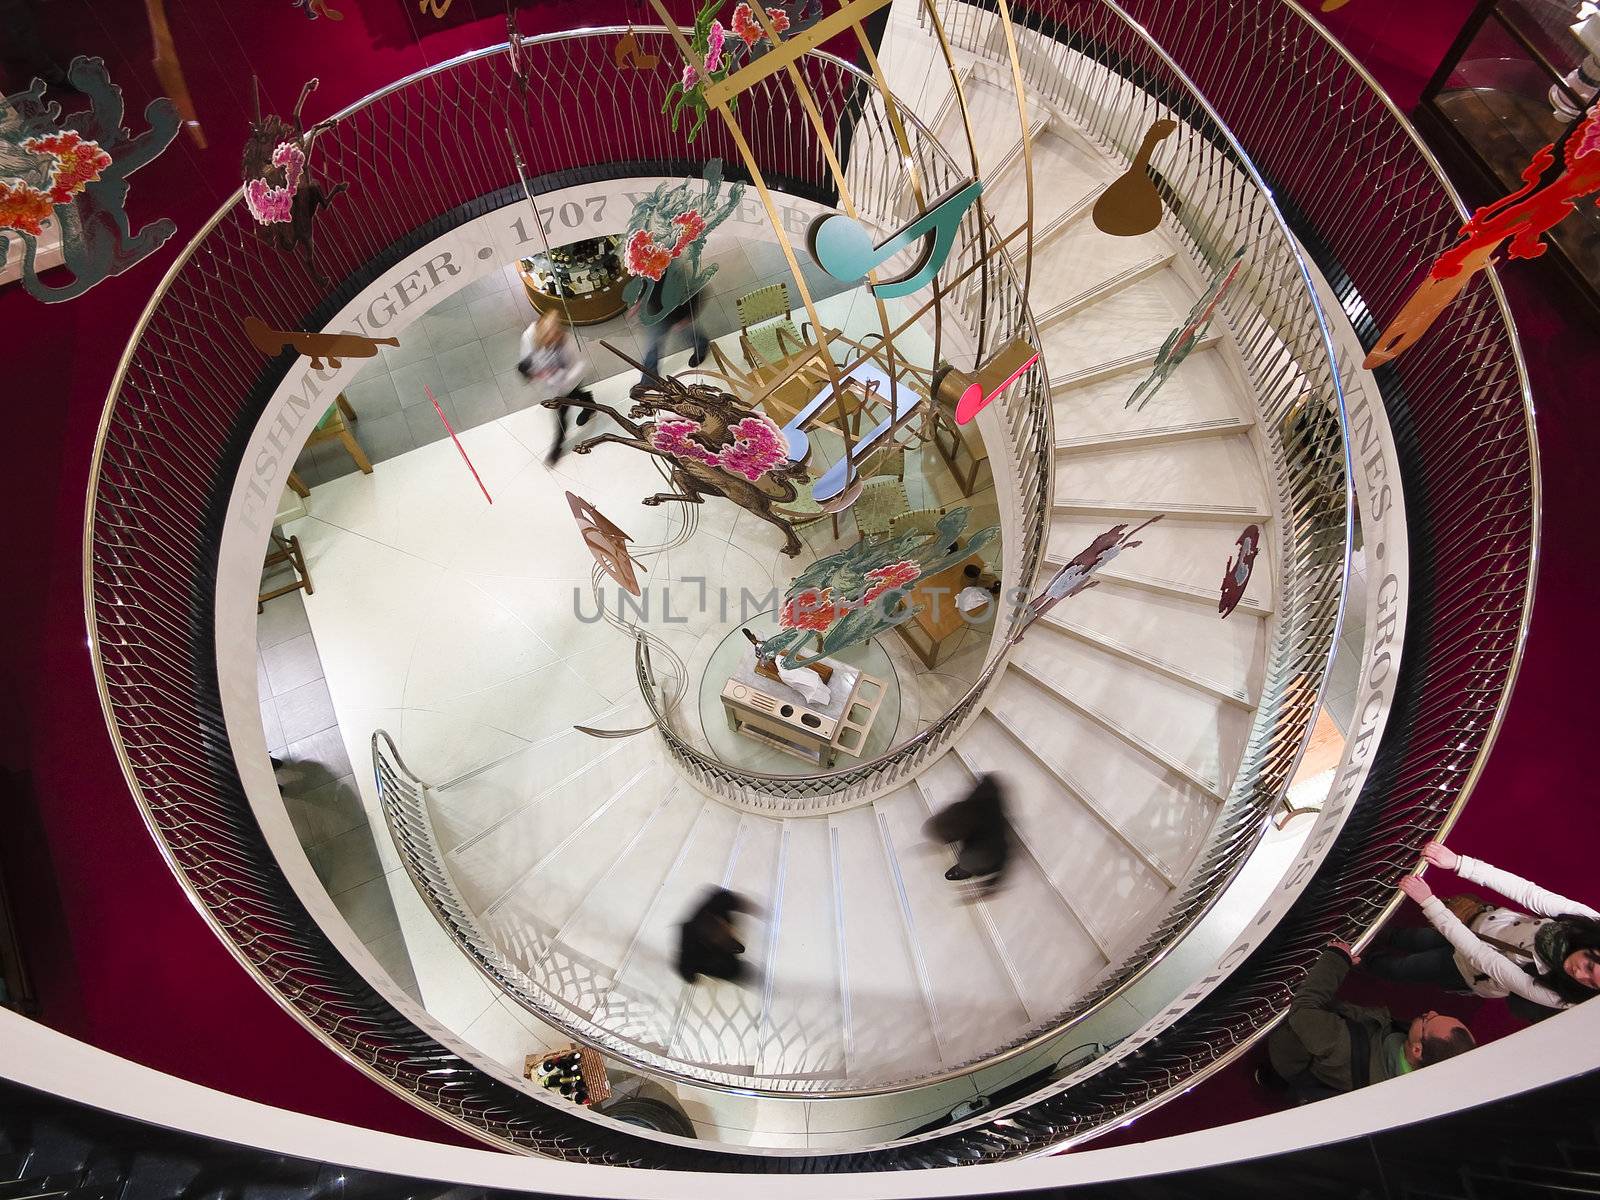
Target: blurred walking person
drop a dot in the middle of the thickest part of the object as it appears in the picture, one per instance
(981, 832)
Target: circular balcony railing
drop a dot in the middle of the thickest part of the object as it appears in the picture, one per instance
(1351, 176)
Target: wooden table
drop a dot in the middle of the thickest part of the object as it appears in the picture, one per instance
(939, 624)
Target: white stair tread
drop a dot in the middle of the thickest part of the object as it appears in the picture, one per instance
(1164, 816)
(489, 866)
(1137, 318)
(614, 910)
(1189, 637)
(719, 1023)
(562, 879)
(1201, 389)
(1108, 884)
(1046, 949)
(1188, 726)
(888, 1027)
(802, 1021)
(972, 994)
(1061, 176)
(1219, 471)
(1194, 553)
(1080, 256)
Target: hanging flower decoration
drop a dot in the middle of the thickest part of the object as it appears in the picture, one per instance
(811, 610)
(757, 445)
(877, 573)
(748, 29)
(281, 190)
(643, 256)
(271, 204)
(78, 162)
(713, 60)
(77, 174)
(67, 163)
(24, 208)
(668, 225)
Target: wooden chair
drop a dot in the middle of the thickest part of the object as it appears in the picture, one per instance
(881, 500)
(766, 331)
(923, 520)
(336, 426)
(285, 552)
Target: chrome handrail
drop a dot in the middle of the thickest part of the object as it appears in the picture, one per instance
(165, 447)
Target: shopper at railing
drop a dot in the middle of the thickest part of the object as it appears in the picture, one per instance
(1326, 1046)
(708, 944)
(550, 354)
(981, 832)
(1551, 959)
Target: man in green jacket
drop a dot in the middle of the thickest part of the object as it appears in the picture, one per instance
(1325, 1046)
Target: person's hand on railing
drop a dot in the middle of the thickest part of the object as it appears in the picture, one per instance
(1437, 854)
(1416, 889)
(1346, 949)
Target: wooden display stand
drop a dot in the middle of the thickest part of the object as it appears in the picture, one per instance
(590, 1066)
(591, 308)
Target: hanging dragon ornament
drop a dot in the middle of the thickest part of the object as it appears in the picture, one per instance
(665, 236)
(862, 591)
(717, 50)
(72, 174)
(280, 190)
(713, 445)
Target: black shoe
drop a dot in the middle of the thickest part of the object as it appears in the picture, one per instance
(957, 874)
(583, 416)
(697, 358)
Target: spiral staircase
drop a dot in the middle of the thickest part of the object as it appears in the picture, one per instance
(1147, 742)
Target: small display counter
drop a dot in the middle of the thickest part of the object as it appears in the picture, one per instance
(583, 281)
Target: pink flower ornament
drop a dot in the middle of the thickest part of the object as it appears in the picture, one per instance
(271, 205)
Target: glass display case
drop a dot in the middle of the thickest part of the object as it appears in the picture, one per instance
(1520, 74)
(582, 280)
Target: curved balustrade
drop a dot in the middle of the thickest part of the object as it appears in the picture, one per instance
(1285, 350)
(183, 404)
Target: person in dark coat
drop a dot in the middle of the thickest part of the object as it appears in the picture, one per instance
(685, 316)
(1327, 1046)
(979, 829)
(707, 941)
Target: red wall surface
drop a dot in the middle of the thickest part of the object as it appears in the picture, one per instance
(119, 956)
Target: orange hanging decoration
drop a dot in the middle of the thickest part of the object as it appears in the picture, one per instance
(1524, 217)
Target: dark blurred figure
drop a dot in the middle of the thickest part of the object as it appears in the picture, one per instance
(685, 316)
(707, 941)
(977, 826)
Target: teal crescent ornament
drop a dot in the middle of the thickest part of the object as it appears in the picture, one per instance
(843, 247)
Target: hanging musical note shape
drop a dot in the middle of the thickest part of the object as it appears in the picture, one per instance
(969, 395)
(1131, 205)
(1524, 216)
(1236, 575)
(843, 248)
(332, 347)
(435, 8)
(607, 543)
(627, 53)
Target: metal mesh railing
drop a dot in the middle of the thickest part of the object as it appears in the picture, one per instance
(1362, 193)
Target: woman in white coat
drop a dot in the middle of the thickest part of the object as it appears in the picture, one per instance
(1548, 955)
(550, 354)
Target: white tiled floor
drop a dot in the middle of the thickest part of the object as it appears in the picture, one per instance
(466, 350)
